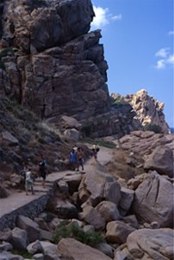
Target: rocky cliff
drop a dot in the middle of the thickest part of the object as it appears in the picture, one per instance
(52, 64)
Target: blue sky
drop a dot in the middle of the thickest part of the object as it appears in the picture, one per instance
(138, 38)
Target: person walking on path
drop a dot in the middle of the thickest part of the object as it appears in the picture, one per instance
(43, 170)
(80, 158)
(28, 182)
(95, 150)
(73, 160)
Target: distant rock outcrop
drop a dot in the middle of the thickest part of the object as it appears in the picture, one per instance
(149, 111)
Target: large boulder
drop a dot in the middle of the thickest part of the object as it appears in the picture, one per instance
(31, 227)
(126, 200)
(48, 249)
(161, 160)
(159, 244)
(154, 200)
(108, 210)
(73, 249)
(91, 216)
(100, 186)
(19, 238)
(118, 231)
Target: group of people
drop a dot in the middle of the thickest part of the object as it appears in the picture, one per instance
(76, 158)
(76, 162)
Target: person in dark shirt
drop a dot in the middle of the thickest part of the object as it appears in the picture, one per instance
(43, 170)
(80, 158)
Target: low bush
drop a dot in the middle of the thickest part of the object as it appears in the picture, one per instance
(65, 230)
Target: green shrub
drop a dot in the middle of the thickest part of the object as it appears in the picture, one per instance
(153, 127)
(65, 230)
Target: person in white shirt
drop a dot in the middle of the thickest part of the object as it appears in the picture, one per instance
(28, 182)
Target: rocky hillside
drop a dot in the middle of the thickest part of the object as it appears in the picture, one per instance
(24, 139)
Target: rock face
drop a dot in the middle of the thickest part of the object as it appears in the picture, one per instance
(58, 67)
(53, 65)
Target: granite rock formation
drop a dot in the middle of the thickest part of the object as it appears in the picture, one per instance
(148, 110)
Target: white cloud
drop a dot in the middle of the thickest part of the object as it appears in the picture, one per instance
(100, 18)
(162, 53)
(165, 58)
(103, 17)
(170, 59)
(160, 64)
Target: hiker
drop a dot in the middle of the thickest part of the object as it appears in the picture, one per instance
(73, 159)
(28, 181)
(95, 150)
(80, 158)
(43, 170)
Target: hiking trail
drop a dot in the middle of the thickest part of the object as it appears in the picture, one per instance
(19, 203)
